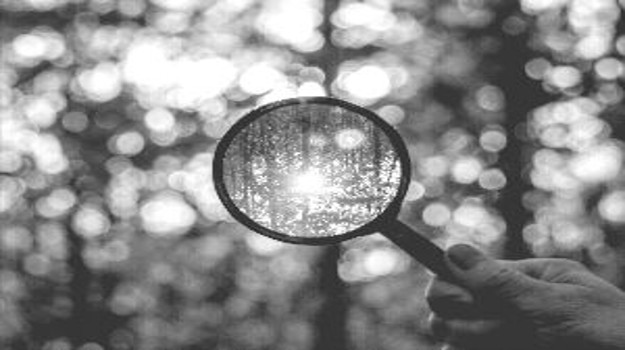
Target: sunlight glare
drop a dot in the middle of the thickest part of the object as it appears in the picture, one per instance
(310, 182)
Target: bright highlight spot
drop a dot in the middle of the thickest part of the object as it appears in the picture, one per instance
(612, 207)
(291, 22)
(159, 120)
(261, 78)
(392, 114)
(41, 112)
(363, 14)
(541, 5)
(102, 83)
(490, 98)
(492, 179)
(310, 182)
(166, 215)
(609, 68)
(263, 245)
(30, 46)
(369, 82)
(311, 88)
(205, 78)
(57, 203)
(129, 143)
(466, 170)
(415, 191)
(90, 221)
(317, 140)
(177, 5)
(350, 138)
(564, 77)
(381, 262)
(601, 163)
(436, 214)
(493, 140)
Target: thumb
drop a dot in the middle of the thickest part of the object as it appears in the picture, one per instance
(487, 278)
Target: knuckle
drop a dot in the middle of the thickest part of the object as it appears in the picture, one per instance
(439, 292)
(570, 264)
(579, 296)
(450, 302)
(563, 264)
(501, 280)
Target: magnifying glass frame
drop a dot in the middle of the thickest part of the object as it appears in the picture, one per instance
(386, 222)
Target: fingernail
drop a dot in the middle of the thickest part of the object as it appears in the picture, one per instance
(464, 256)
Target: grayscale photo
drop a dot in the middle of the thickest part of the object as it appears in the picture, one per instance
(312, 174)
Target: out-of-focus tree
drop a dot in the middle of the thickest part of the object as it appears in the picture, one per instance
(112, 236)
(577, 161)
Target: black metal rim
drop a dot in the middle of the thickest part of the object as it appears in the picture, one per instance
(390, 213)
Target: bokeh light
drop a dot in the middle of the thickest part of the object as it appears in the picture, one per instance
(612, 207)
(167, 215)
(90, 221)
(350, 138)
(466, 170)
(368, 82)
(436, 214)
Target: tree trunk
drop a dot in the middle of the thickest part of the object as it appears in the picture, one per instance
(522, 96)
(79, 322)
(331, 319)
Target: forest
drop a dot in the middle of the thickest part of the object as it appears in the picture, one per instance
(112, 235)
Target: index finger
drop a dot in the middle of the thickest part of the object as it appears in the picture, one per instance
(450, 300)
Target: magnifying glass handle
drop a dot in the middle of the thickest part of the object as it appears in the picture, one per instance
(419, 247)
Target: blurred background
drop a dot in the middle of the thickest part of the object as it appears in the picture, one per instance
(111, 234)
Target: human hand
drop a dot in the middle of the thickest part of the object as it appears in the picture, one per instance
(546, 304)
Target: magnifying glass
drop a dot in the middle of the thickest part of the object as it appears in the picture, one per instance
(319, 170)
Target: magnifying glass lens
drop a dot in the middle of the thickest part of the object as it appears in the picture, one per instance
(319, 171)
(311, 170)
